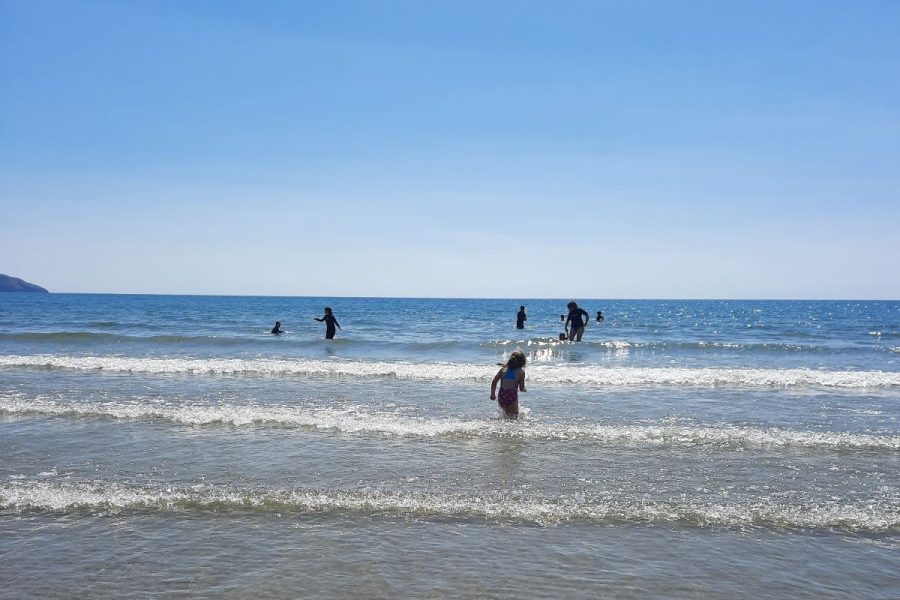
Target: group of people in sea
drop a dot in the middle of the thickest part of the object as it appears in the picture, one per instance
(511, 376)
(327, 318)
(574, 325)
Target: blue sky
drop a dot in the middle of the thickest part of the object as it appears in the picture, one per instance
(485, 149)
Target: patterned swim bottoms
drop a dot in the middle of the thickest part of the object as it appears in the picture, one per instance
(507, 398)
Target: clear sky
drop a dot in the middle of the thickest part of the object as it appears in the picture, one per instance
(639, 149)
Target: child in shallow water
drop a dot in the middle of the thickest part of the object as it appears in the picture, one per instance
(512, 380)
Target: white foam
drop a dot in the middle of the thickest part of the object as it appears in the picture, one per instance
(457, 372)
(616, 344)
(358, 421)
(877, 514)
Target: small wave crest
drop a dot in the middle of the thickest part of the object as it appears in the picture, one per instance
(69, 496)
(69, 337)
(540, 343)
(546, 343)
(61, 336)
(356, 421)
(458, 372)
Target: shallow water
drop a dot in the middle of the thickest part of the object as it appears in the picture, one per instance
(170, 446)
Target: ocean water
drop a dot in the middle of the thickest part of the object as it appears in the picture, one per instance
(170, 446)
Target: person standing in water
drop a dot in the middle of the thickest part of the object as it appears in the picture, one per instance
(512, 380)
(521, 318)
(575, 322)
(277, 329)
(330, 323)
(600, 316)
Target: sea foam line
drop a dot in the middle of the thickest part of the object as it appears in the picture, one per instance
(361, 422)
(875, 515)
(456, 372)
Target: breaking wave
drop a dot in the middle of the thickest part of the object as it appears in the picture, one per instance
(875, 515)
(361, 422)
(456, 372)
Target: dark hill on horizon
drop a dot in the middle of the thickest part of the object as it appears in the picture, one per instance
(14, 284)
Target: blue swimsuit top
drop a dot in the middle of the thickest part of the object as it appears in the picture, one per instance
(510, 373)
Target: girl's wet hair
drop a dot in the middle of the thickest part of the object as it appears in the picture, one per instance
(516, 360)
(328, 309)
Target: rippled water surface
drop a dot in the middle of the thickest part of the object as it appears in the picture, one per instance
(163, 445)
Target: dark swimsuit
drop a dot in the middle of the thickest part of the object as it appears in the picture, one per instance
(329, 325)
(576, 320)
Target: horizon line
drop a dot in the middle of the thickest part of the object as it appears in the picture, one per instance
(517, 298)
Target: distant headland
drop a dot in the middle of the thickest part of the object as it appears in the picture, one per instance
(14, 284)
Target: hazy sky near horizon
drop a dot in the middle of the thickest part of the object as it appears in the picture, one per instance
(716, 149)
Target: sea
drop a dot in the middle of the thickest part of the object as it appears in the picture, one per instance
(171, 446)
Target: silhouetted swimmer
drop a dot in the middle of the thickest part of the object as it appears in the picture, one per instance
(600, 316)
(521, 318)
(277, 329)
(330, 322)
(575, 322)
(562, 318)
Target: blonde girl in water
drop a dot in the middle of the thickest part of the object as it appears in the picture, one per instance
(512, 380)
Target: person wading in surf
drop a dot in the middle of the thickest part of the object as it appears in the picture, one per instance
(521, 317)
(330, 322)
(512, 380)
(575, 322)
